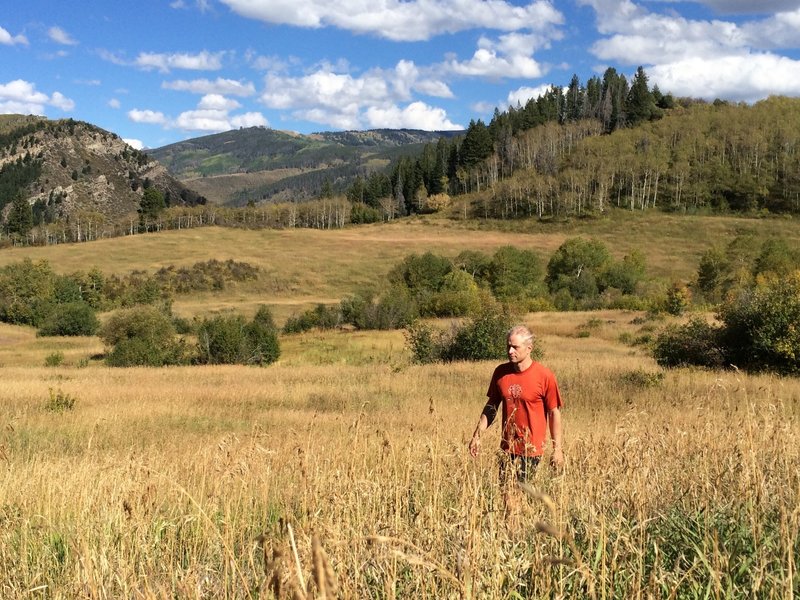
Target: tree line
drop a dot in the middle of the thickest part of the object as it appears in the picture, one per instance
(587, 148)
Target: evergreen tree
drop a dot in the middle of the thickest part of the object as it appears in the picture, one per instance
(477, 144)
(20, 217)
(640, 105)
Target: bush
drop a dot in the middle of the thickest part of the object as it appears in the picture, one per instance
(421, 273)
(59, 401)
(262, 335)
(54, 359)
(762, 326)
(516, 274)
(482, 337)
(321, 316)
(230, 339)
(395, 309)
(458, 297)
(142, 336)
(576, 265)
(695, 343)
(73, 318)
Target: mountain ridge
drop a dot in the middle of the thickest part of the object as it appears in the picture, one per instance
(292, 166)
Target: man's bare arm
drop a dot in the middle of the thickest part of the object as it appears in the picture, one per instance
(554, 421)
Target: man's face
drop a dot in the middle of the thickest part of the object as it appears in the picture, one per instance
(518, 349)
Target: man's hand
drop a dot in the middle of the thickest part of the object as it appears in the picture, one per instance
(557, 458)
(475, 446)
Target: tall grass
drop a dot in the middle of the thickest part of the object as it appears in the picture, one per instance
(215, 482)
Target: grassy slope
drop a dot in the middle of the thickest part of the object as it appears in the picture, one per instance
(304, 266)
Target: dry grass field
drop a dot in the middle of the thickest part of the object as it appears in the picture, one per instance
(341, 471)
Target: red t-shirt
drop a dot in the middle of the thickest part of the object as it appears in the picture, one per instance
(527, 397)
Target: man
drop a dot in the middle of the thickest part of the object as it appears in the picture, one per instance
(531, 403)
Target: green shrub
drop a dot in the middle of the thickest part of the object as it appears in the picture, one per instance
(73, 318)
(424, 342)
(54, 359)
(222, 340)
(262, 335)
(59, 401)
(230, 339)
(142, 336)
(762, 326)
(575, 265)
(678, 299)
(361, 213)
(458, 297)
(482, 337)
(321, 316)
(624, 275)
(694, 343)
(516, 274)
(394, 309)
(421, 273)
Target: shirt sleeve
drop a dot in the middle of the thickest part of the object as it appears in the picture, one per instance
(494, 400)
(552, 395)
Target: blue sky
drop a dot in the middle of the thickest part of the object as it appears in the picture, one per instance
(156, 72)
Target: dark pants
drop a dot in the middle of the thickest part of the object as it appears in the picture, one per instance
(521, 467)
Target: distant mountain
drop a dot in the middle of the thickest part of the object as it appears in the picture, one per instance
(66, 169)
(257, 163)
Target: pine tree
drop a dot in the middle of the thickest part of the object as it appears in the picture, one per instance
(20, 217)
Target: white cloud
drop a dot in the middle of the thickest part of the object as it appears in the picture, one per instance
(151, 117)
(20, 96)
(59, 100)
(11, 40)
(114, 103)
(213, 114)
(416, 115)
(202, 61)
(507, 57)
(412, 20)
(60, 36)
(205, 86)
(250, 119)
(217, 102)
(745, 78)
(134, 143)
(702, 58)
(750, 7)
(523, 94)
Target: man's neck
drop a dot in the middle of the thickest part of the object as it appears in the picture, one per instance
(521, 366)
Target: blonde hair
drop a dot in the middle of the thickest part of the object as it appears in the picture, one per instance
(522, 330)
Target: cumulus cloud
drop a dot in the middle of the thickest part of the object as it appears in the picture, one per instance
(509, 56)
(229, 87)
(134, 143)
(412, 20)
(202, 61)
(702, 58)
(744, 78)
(347, 101)
(416, 115)
(523, 94)
(750, 7)
(151, 117)
(11, 40)
(60, 36)
(218, 102)
(114, 103)
(20, 96)
(213, 114)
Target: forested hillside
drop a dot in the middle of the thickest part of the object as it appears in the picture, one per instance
(258, 164)
(579, 151)
(67, 180)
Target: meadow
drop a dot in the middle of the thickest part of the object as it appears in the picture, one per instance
(342, 471)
